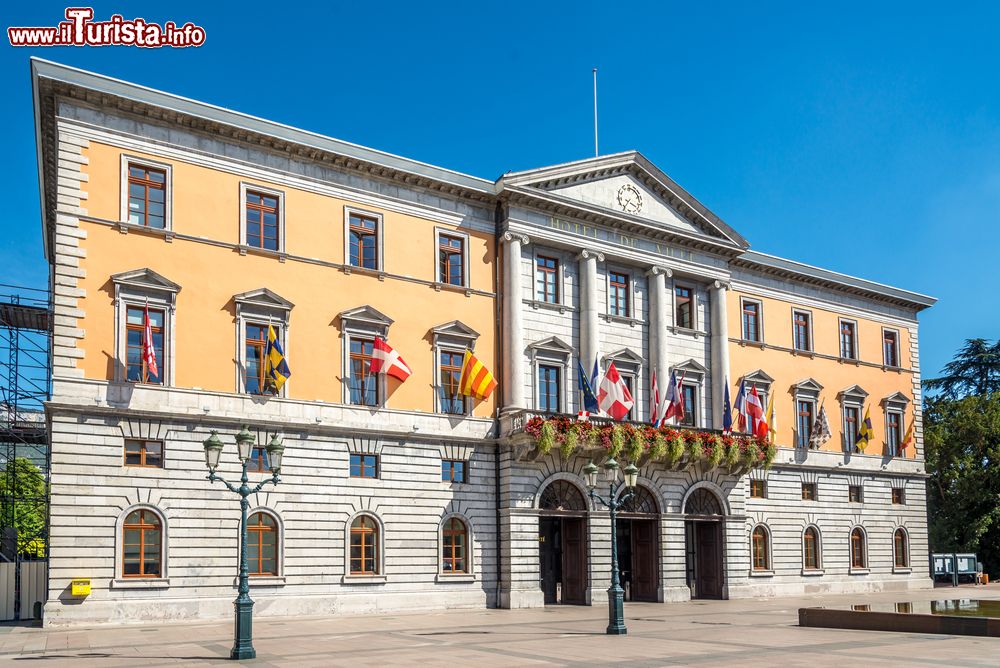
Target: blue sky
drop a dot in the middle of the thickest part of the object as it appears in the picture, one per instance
(861, 137)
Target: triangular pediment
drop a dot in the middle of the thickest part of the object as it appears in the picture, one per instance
(455, 329)
(896, 399)
(627, 184)
(366, 315)
(690, 367)
(145, 278)
(624, 356)
(807, 385)
(759, 377)
(265, 298)
(853, 392)
(553, 344)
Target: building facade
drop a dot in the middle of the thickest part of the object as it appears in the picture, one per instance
(406, 495)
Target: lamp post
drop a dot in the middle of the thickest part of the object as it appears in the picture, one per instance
(616, 595)
(243, 633)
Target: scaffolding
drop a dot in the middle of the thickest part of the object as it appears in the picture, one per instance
(25, 457)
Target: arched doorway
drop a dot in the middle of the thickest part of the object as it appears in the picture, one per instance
(638, 546)
(703, 515)
(562, 543)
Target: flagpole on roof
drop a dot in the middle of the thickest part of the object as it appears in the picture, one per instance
(595, 113)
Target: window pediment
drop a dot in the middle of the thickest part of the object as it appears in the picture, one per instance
(454, 331)
(758, 377)
(624, 356)
(897, 401)
(365, 318)
(552, 346)
(148, 282)
(263, 298)
(690, 368)
(854, 394)
(807, 386)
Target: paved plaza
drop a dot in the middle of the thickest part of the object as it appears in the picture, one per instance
(762, 632)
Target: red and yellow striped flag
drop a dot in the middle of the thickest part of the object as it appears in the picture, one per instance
(476, 380)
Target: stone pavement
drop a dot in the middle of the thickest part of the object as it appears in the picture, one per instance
(759, 632)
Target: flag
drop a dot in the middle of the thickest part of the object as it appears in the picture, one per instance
(865, 433)
(740, 406)
(276, 370)
(148, 351)
(589, 403)
(674, 401)
(820, 432)
(613, 396)
(476, 380)
(755, 414)
(387, 360)
(727, 411)
(769, 417)
(654, 409)
(908, 439)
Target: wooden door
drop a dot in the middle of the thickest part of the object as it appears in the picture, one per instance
(645, 561)
(549, 557)
(574, 561)
(708, 556)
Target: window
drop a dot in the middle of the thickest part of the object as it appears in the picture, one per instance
(364, 546)
(810, 549)
(758, 489)
(363, 240)
(137, 371)
(262, 219)
(618, 294)
(858, 557)
(142, 545)
(363, 383)
(848, 340)
(898, 496)
(751, 321)
(851, 415)
(451, 259)
(802, 330)
(890, 348)
(364, 466)
(759, 549)
(854, 494)
(451, 400)
(893, 432)
(255, 345)
(690, 396)
(547, 279)
(548, 388)
(139, 452)
(258, 461)
(683, 307)
(629, 381)
(147, 201)
(804, 422)
(900, 552)
(453, 470)
(808, 491)
(262, 544)
(454, 542)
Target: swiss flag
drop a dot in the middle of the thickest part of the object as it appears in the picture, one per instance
(148, 351)
(755, 413)
(613, 397)
(387, 360)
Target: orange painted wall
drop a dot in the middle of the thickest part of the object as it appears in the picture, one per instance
(787, 368)
(206, 204)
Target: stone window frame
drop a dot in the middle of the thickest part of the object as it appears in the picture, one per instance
(896, 404)
(760, 320)
(464, 236)
(377, 578)
(852, 569)
(162, 582)
(681, 282)
(168, 193)
(379, 239)
(136, 289)
(763, 382)
(768, 569)
(908, 567)
(819, 550)
(806, 390)
(244, 246)
(362, 322)
(853, 397)
(630, 288)
(695, 375)
(142, 452)
(260, 306)
(470, 563)
(550, 254)
(899, 352)
(631, 364)
(856, 352)
(453, 337)
(279, 549)
(810, 331)
(552, 351)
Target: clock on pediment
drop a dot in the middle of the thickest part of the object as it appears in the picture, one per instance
(629, 199)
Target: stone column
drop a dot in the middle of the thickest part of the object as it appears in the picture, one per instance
(589, 336)
(513, 323)
(658, 325)
(720, 349)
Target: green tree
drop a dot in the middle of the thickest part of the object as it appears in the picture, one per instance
(975, 370)
(23, 501)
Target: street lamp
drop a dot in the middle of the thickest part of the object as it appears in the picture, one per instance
(243, 634)
(616, 595)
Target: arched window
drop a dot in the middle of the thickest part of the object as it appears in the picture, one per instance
(858, 556)
(142, 545)
(900, 549)
(364, 546)
(810, 549)
(759, 549)
(454, 546)
(703, 502)
(262, 544)
(642, 503)
(562, 495)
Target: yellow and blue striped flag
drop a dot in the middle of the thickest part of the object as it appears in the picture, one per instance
(276, 370)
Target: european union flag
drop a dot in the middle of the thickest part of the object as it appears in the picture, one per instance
(587, 390)
(727, 411)
(276, 370)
